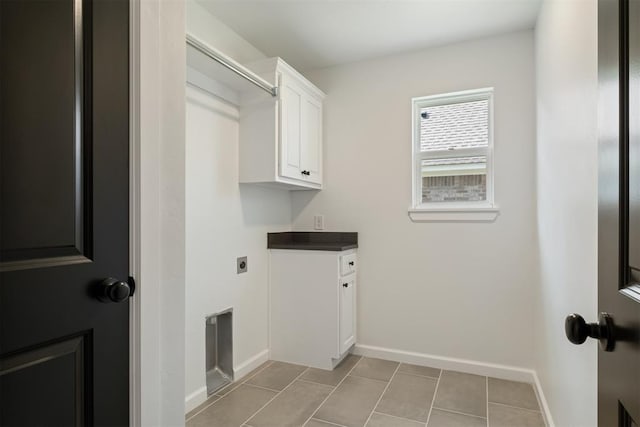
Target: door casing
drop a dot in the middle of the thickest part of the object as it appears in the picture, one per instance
(157, 111)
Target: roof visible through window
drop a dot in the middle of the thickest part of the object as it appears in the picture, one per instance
(454, 126)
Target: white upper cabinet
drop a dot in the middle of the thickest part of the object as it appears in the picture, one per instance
(291, 101)
(281, 137)
(311, 149)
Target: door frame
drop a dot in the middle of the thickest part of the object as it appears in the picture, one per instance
(157, 174)
(135, 389)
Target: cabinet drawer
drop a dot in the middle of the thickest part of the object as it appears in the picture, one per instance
(348, 264)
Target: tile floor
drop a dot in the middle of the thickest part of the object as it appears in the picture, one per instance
(368, 392)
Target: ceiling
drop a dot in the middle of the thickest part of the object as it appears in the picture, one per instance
(321, 33)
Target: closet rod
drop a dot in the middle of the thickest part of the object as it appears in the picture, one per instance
(231, 65)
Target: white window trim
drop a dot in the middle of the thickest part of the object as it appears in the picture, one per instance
(459, 211)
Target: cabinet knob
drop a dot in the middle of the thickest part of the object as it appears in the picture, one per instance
(351, 263)
(305, 173)
(345, 285)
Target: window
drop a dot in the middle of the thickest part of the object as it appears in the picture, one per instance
(452, 155)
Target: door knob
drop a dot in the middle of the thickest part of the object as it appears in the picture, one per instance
(113, 290)
(578, 330)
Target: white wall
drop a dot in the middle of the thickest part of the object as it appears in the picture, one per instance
(463, 290)
(225, 220)
(208, 28)
(567, 187)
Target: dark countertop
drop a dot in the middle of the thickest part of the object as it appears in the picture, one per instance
(312, 241)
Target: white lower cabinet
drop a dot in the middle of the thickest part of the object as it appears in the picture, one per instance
(312, 307)
(347, 312)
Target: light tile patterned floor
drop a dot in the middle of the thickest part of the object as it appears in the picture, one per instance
(368, 392)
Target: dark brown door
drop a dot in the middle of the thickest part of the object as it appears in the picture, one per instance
(619, 212)
(64, 138)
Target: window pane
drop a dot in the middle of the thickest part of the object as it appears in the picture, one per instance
(460, 179)
(454, 126)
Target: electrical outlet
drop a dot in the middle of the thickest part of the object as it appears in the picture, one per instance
(318, 222)
(241, 264)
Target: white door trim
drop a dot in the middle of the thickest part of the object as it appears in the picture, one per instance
(157, 216)
(134, 211)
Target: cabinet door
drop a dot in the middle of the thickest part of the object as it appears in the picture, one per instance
(291, 101)
(347, 312)
(311, 144)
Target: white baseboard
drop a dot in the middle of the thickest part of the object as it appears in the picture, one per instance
(200, 396)
(250, 364)
(505, 372)
(196, 398)
(546, 412)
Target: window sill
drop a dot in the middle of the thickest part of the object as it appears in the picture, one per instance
(470, 214)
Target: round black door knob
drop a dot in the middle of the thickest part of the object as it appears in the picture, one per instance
(577, 330)
(113, 290)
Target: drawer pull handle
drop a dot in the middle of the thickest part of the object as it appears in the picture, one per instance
(351, 263)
